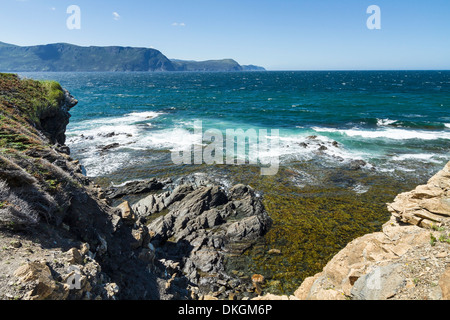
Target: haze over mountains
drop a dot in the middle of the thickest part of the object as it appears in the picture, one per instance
(71, 58)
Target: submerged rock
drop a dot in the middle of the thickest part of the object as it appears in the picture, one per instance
(357, 164)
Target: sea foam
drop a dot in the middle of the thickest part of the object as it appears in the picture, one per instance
(389, 133)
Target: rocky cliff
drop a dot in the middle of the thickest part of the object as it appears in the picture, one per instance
(60, 237)
(408, 260)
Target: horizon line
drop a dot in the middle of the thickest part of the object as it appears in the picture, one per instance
(257, 71)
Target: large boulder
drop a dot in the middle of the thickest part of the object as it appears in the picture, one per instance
(201, 225)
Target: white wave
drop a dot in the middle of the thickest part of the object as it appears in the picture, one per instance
(360, 189)
(106, 164)
(301, 147)
(176, 139)
(118, 129)
(426, 157)
(385, 122)
(126, 119)
(447, 125)
(391, 133)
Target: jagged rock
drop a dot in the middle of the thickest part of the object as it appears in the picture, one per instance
(204, 222)
(145, 207)
(248, 228)
(134, 187)
(240, 191)
(127, 213)
(427, 205)
(32, 271)
(138, 238)
(74, 256)
(43, 285)
(84, 249)
(147, 255)
(112, 289)
(55, 207)
(108, 147)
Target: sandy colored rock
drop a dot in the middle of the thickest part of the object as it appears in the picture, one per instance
(44, 286)
(33, 271)
(444, 283)
(127, 212)
(74, 256)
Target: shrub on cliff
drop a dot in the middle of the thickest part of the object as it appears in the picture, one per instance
(14, 211)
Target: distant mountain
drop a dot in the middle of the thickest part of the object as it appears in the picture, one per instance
(68, 57)
(72, 58)
(253, 68)
(213, 65)
(210, 65)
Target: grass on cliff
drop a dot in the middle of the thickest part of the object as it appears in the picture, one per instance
(32, 98)
(23, 103)
(26, 155)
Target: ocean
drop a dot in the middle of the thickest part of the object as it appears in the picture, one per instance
(349, 142)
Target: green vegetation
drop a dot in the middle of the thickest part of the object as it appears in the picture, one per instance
(55, 93)
(433, 240)
(27, 153)
(23, 103)
(436, 228)
(444, 238)
(32, 98)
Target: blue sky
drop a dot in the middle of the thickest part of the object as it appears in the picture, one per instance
(279, 35)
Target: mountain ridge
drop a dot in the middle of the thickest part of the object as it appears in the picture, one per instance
(66, 57)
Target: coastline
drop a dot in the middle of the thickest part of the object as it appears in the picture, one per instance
(100, 248)
(408, 260)
(62, 239)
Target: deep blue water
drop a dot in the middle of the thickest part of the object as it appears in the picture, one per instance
(389, 119)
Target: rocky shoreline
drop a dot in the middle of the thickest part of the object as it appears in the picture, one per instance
(62, 237)
(408, 260)
(189, 229)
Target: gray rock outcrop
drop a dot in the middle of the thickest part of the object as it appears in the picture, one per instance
(201, 225)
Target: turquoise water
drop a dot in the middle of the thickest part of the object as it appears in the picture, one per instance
(397, 123)
(388, 119)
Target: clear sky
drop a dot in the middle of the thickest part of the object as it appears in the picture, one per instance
(279, 35)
